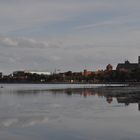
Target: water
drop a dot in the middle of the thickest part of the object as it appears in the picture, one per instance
(69, 112)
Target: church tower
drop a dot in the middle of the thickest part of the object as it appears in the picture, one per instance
(139, 61)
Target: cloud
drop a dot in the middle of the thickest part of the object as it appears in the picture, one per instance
(24, 42)
(9, 122)
(45, 34)
(21, 15)
(121, 22)
(18, 15)
(8, 42)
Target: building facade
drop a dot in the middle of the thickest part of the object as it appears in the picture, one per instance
(127, 66)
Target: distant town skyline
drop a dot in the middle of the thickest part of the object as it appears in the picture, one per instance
(68, 34)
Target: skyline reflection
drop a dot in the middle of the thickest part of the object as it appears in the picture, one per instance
(125, 98)
(122, 96)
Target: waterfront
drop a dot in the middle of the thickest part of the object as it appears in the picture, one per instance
(72, 112)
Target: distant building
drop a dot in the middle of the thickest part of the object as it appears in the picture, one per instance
(127, 66)
(109, 67)
(24, 73)
(38, 72)
(18, 73)
(0, 74)
(87, 73)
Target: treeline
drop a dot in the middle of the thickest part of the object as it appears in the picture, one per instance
(70, 77)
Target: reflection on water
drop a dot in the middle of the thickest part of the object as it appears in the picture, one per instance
(121, 97)
(104, 113)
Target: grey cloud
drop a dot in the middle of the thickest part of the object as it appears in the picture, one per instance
(21, 15)
(26, 43)
(64, 59)
(94, 42)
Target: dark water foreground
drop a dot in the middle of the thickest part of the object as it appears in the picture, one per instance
(40, 113)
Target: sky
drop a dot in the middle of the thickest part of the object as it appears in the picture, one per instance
(72, 35)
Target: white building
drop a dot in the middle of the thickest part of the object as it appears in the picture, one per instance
(22, 73)
(39, 72)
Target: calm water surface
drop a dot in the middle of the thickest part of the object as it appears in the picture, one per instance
(69, 112)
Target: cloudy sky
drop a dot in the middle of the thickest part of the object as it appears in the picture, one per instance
(68, 34)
